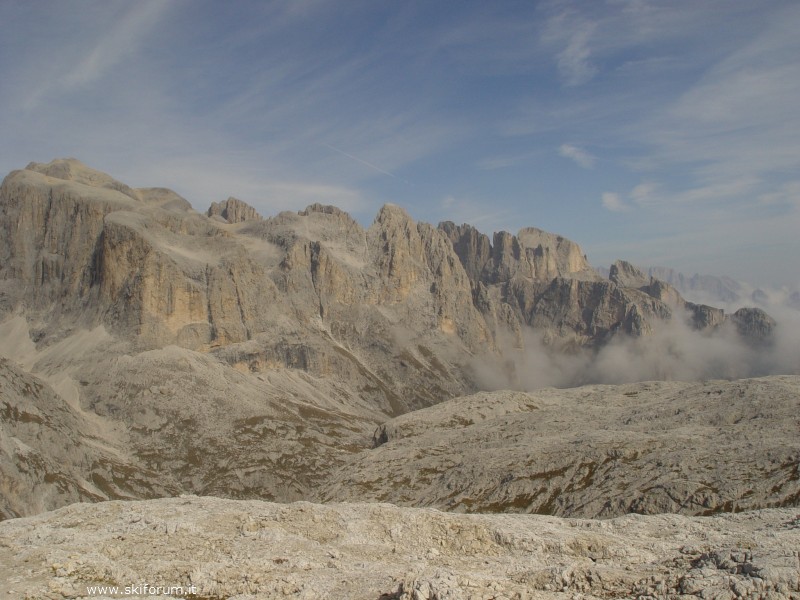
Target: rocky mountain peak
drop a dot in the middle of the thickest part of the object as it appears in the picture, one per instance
(754, 324)
(330, 223)
(233, 210)
(256, 360)
(391, 215)
(71, 169)
(625, 274)
(164, 198)
(533, 254)
(561, 257)
(473, 248)
(700, 316)
(173, 277)
(325, 209)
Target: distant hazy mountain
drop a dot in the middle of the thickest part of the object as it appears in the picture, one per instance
(726, 291)
(720, 289)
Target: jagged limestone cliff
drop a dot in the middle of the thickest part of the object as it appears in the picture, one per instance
(544, 280)
(81, 247)
(233, 210)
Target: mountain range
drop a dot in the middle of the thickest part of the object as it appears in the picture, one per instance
(150, 350)
(273, 345)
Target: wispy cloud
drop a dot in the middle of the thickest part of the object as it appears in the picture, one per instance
(573, 61)
(738, 124)
(644, 193)
(613, 202)
(568, 34)
(121, 35)
(579, 155)
(202, 181)
(360, 160)
(786, 195)
(119, 42)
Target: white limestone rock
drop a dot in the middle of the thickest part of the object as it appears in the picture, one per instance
(593, 451)
(251, 550)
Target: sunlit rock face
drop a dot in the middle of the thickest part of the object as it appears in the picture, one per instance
(233, 211)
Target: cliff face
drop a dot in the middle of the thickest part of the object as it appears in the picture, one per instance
(754, 325)
(51, 229)
(233, 211)
(227, 341)
(699, 316)
(79, 247)
(751, 324)
(314, 290)
(531, 254)
(544, 281)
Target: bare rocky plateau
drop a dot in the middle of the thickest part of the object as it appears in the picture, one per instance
(248, 549)
(593, 451)
(282, 406)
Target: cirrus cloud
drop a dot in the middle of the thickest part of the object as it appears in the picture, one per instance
(613, 202)
(579, 155)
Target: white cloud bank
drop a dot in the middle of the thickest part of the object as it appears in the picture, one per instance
(673, 351)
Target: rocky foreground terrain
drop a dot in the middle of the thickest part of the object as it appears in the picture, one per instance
(245, 550)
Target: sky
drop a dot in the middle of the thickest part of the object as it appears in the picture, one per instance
(663, 133)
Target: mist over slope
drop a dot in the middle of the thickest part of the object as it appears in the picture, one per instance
(678, 351)
(673, 351)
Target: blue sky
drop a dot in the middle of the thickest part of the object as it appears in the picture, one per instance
(666, 133)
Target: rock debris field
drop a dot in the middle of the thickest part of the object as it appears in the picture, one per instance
(251, 549)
